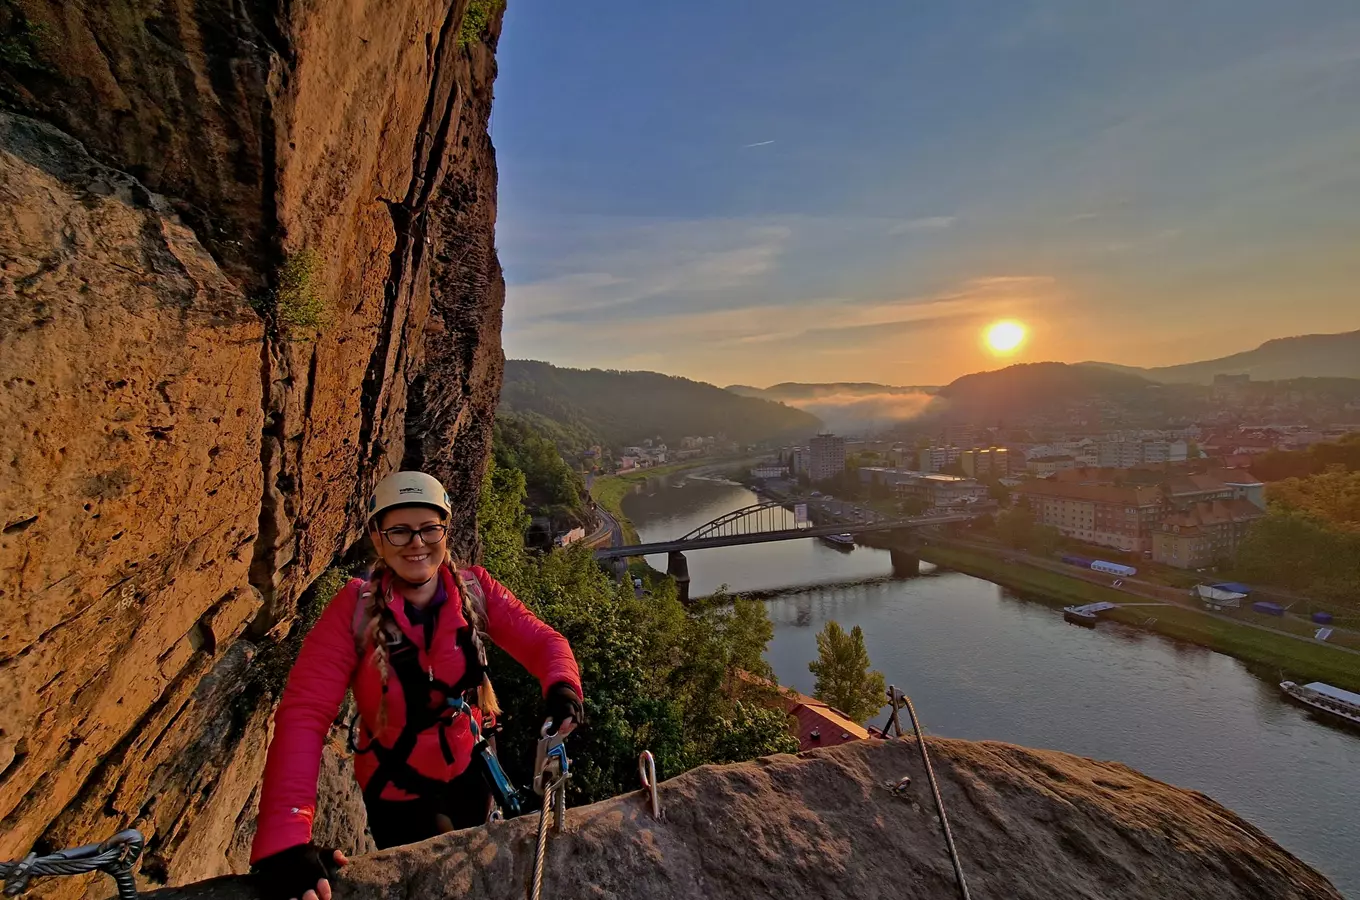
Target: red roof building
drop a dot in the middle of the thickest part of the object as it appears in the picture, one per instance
(817, 724)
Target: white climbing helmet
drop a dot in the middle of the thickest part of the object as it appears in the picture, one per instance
(408, 489)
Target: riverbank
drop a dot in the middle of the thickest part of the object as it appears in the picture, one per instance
(609, 490)
(1296, 657)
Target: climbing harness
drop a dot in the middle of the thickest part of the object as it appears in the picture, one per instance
(897, 699)
(428, 701)
(116, 856)
(647, 772)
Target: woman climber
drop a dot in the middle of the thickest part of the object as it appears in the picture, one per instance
(405, 651)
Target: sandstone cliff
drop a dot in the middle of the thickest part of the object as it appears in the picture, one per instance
(1030, 825)
(249, 270)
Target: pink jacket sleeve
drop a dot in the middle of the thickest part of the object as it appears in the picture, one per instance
(311, 701)
(532, 642)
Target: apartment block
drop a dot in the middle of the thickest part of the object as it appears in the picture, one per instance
(994, 462)
(1119, 517)
(827, 456)
(1203, 534)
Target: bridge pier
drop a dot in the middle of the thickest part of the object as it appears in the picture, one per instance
(619, 567)
(905, 564)
(678, 568)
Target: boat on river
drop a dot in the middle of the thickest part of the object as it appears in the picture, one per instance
(843, 541)
(1325, 698)
(1086, 615)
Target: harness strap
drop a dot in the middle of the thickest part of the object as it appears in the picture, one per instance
(425, 699)
(417, 688)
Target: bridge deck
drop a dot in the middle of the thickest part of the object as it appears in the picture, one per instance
(788, 534)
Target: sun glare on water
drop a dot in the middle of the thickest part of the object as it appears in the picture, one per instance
(1005, 337)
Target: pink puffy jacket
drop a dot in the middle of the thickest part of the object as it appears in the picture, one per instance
(329, 664)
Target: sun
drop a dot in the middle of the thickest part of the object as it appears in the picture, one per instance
(1005, 336)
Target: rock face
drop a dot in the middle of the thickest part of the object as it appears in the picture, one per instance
(187, 435)
(1029, 825)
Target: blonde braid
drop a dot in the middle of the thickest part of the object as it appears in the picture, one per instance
(379, 600)
(486, 695)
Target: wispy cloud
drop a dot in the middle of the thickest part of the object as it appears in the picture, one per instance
(929, 223)
(613, 268)
(825, 325)
(757, 144)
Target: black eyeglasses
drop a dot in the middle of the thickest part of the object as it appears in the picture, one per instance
(401, 535)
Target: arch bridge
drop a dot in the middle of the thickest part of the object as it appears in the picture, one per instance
(773, 520)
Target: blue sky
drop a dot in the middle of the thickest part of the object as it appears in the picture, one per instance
(766, 191)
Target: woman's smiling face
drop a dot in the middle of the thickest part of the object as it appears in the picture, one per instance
(417, 561)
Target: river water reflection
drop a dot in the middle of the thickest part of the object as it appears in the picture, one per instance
(981, 663)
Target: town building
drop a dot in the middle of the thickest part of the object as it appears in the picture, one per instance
(1126, 454)
(1204, 533)
(827, 452)
(1183, 491)
(931, 489)
(1108, 515)
(959, 435)
(1044, 466)
(994, 462)
(769, 470)
(1164, 452)
(935, 459)
(813, 722)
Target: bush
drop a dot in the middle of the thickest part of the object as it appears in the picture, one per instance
(656, 676)
(21, 40)
(298, 299)
(476, 20)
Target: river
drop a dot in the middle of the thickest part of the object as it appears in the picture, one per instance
(981, 663)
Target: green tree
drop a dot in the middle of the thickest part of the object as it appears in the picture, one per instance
(914, 506)
(844, 679)
(502, 520)
(1015, 526)
(753, 730)
(553, 487)
(1295, 550)
(656, 676)
(1045, 540)
(1332, 497)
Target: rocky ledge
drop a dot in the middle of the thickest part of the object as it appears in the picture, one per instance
(830, 823)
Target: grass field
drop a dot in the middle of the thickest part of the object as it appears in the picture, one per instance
(1301, 660)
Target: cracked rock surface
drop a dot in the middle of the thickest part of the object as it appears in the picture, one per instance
(177, 467)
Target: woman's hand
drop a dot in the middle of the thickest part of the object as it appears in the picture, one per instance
(564, 706)
(302, 872)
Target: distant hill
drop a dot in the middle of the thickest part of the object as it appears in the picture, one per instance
(847, 406)
(1035, 388)
(618, 408)
(1305, 356)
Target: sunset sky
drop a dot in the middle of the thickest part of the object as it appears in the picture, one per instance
(780, 190)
